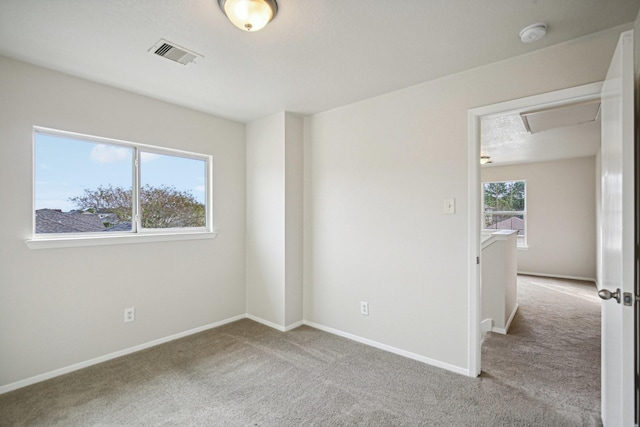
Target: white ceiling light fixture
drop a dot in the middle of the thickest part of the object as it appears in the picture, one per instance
(533, 33)
(249, 15)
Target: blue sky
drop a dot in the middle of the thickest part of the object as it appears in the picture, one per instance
(64, 167)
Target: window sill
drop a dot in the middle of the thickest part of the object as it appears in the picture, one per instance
(76, 241)
(523, 247)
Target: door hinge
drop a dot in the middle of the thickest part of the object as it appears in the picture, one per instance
(477, 260)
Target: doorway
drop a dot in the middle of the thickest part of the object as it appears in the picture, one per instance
(580, 94)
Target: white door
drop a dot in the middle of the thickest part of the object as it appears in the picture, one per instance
(617, 238)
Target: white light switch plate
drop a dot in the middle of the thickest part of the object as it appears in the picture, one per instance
(449, 206)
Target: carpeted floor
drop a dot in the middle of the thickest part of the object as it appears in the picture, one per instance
(544, 373)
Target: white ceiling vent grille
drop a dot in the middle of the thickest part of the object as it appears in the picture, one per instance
(173, 52)
(561, 116)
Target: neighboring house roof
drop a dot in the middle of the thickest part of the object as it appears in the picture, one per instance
(123, 226)
(54, 221)
(108, 217)
(513, 223)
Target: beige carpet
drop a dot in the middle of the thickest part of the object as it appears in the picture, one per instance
(544, 373)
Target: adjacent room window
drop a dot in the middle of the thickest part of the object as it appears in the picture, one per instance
(90, 185)
(504, 207)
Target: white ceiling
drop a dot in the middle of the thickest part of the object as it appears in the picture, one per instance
(316, 54)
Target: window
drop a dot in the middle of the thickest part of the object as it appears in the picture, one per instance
(87, 186)
(504, 207)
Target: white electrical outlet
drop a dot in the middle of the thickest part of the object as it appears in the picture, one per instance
(364, 308)
(129, 314)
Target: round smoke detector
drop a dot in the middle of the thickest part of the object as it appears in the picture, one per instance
(533, 33)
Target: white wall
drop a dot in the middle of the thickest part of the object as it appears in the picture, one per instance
(598, 204)
(59, 307)
(274, 220)
(499, 279)
(265, 219)
(294, 201)
(376, 174)
(561, 215)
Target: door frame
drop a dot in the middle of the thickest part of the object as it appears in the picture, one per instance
(546, 100)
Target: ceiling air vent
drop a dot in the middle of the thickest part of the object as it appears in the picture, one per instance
(173, 52)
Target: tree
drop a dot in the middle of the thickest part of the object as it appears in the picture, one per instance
(493, 193)
(165, 207)
(504, 196)
(107, 199)
(161, 207)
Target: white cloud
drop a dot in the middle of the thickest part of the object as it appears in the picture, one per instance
(148, 157)
(108, 153)
(199, 188)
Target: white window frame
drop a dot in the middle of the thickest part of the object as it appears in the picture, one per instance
(138, 234)
(522, 241)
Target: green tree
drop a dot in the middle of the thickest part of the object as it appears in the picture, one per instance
(517, 195)
(493, 193)
(161, 207)
(504, 196)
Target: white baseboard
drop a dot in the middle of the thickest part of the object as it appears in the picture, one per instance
(485, 327)
(513, 314)
(76, 366)
(293, 326)
(505, 330)
(274, 325)
(390, 349)
(265, 322)
(558, 276)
